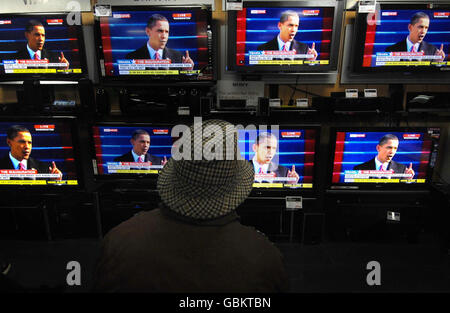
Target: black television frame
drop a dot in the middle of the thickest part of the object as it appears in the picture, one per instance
(339, 8)
(76, 144)
(51, 77)
(267, 192)
(376, 186)
(155, 79)
(139, 179)
(359, 33)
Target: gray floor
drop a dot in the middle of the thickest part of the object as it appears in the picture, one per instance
(329, 267)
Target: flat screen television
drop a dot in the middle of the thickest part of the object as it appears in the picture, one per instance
(156, 44)
(39, 153)
(403, 38)
(283, 157)
(118, 145)
(285, 36)
(382, 158)
(41, 46)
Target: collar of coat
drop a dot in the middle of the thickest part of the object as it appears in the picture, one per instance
(220, 221)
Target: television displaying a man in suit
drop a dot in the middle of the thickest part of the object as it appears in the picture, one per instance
(414, 42)
(284, 41)
(387, 148)
(140, 140)
(157, 30)
(19, 140)
(34, 50)
(265, 148)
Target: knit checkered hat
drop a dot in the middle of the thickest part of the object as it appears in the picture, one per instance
(205, 188)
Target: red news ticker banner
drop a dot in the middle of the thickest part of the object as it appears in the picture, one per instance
(160, 131)
(441, 14)
(5, 22)
(55, 22)
(50, 127)
(411, 136)
(182, 16)
(291, 134)
(338, 156)
(8, 172)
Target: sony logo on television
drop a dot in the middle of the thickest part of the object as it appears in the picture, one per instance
(239, 84)
(34, 2)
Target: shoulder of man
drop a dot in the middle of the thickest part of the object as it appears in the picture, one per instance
(41, 167)
(299, 46)
(140, 53)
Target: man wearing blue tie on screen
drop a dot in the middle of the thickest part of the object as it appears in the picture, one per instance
(157, 31)
(288, 26)
(265, 148)
(418, 28)
(140, 140)
(387, 148)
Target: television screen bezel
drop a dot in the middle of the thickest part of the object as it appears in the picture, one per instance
(376, 186)
(52, 77)
(146, 179)
(150, 78)
(359, 34)
(339, 7)
(73, 126)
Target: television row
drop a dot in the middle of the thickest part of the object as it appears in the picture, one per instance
(180, 43)
(46, 152)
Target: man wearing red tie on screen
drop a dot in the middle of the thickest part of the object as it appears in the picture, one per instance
(387, 147)
(19, 140)
(140, 140)
(265, 148)
(288, 26)
(157, 31)
(35, 35)
(418, 28)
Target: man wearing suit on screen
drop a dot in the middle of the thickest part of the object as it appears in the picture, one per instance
(35, 35)
(157, 30)
(19, 140)
(284, 41)
(140, 140)
(387, 148)
(418, 28)
(265, 148)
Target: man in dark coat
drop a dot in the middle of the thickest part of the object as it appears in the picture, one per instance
(288, 26)
(140, 140)
(157, 31)
(35, 35)
(194, 241)
(418, 28)
(265, 148)
(387, 147)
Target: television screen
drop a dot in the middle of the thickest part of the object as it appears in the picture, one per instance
(399, 37)
(37, 153)
(384, 156)
(131, 150)
(285, 36)
(40, 46)
(164, 43)
(282, 158)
